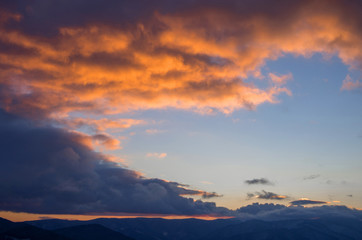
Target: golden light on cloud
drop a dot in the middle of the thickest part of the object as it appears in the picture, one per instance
(90, 69)
(108, 69)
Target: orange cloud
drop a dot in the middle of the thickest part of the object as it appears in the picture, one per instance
(101, 124)
(106, 141)
(349, 84)
(195, 59)
(281, 79)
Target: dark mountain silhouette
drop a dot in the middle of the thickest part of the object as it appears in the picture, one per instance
(5, 224)
(146, 228)
(327, 228)
(11, 230)
(91, 232)
(321, 229)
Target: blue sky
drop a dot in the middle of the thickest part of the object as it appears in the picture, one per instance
(316, 131)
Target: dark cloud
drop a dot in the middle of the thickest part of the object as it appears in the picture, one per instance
(50, 170)
(207, 195)
(14, 49)
(256, 208)
(311, 177)
(306, 202)
(263, 181)
(266, 195)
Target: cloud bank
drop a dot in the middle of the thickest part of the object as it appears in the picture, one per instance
(51, 170)
(271, 212)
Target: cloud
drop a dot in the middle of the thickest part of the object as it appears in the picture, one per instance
(263, 181)
(153, 131)
(256, 208)
(206, 182)
(266, 195)
(100, 125)
(158, 59)
(306, 202)
(207, 195)
(281, 79)
(349, 84)
(311, 177)
(90, 57)
(271, 212)
(106, 141)
(192, 55)
(156, 155)
(51, 170)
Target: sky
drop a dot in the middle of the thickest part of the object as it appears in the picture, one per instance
(178, 108)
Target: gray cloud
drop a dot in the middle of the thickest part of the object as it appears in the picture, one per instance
(306, 202)
(207, 195)
(256, 208)
(263, 181)
(50, 170)
(266, 195)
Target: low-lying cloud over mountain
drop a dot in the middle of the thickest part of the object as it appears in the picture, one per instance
(281, 212)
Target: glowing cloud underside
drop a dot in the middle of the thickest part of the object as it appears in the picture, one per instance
(193, 59)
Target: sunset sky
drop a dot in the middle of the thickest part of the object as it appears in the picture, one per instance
(182, 108)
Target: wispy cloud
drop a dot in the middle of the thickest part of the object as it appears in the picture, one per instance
(156, 155)
(349, 84)
(154, 131)
(100, 125)
(206, 182)
(280, 79)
